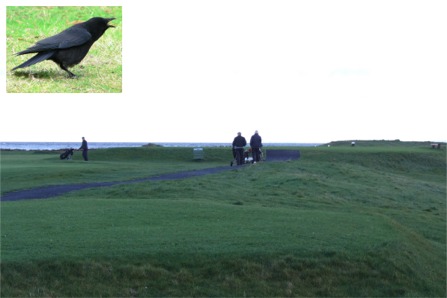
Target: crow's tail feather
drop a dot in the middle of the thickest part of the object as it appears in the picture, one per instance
(36, 59)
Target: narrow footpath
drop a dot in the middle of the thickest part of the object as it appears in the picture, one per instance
(46, 192)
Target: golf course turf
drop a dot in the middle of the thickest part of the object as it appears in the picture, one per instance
(356, 221)
(56, 190)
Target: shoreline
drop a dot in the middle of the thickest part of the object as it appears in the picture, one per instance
(57, 146)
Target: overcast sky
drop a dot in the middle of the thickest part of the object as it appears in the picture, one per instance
(297, 71)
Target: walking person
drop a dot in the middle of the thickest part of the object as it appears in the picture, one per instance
(84, 148)
(239, 143)
(256, 145)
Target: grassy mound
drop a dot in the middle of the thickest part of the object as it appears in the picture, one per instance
(341, 221)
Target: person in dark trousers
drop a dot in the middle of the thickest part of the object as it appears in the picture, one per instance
(84, 148)
(239, 143)
(256, 145)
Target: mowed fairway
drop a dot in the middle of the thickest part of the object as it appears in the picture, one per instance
(341, 221)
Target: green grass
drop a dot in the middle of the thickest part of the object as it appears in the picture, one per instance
(30, 169)
(99, 72)
(341, 221)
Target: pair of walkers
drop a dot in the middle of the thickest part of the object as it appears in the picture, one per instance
(239, 143)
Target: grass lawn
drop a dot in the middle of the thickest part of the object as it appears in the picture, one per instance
(341, 221)
(99, 72)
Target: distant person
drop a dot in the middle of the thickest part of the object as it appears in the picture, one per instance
(256, 145)
(84, 148)
(239, 143)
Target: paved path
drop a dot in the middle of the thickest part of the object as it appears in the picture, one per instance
(57, 190)
(45, 192)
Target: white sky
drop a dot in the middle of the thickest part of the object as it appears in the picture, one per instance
(297, 71)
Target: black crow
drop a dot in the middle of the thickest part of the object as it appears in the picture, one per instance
(69, 47)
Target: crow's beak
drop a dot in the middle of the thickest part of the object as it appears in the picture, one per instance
(108, 20)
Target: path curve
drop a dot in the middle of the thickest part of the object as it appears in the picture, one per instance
(45, 192)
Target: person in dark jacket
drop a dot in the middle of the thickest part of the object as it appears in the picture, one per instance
(256, 145)
(84, 148)
(239, 143)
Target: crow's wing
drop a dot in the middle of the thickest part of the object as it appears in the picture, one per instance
(71, 37)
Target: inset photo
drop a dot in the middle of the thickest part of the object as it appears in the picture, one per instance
(64, 49)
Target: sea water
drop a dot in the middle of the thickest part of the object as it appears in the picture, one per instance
(30, 146)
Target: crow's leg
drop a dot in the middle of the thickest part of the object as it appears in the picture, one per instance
(70, 74)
